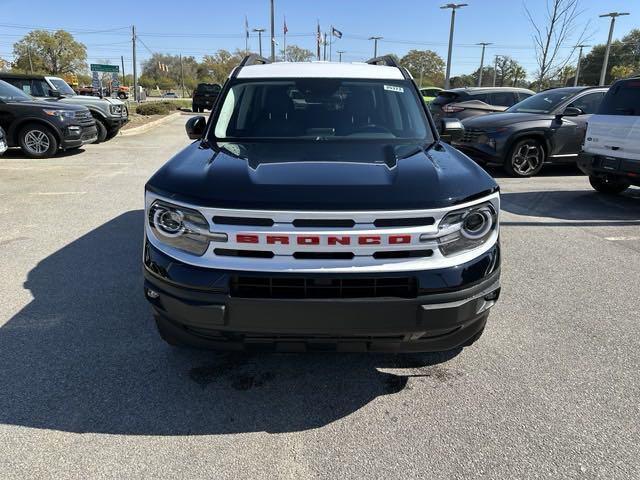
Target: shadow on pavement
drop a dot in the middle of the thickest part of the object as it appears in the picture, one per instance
(15, 153)
(586, 207)
(84, 356)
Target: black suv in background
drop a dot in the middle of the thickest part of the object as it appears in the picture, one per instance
(205, 96)
(548, 127)
(470, 102)
(41, 128)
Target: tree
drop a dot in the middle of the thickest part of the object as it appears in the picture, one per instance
(219, 65)
(552, 34)
(55, 53)
(426, 65)
(295, 53)
(4, 65)
(621, 71)
(624, 53)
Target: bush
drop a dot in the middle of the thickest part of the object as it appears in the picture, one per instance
(153, 108)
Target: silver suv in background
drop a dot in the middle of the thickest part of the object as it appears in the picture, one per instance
(470, 102)
(110, 114)
(611, 150)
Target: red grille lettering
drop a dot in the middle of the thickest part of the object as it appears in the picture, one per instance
(308, 240)
(240, 238)
(369, 240)
(273, 239)
(338, 240)
(398, 239)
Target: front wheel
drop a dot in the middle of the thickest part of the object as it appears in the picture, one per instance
(37, 141)
(102, 131)
(608, 185)
(525, 158)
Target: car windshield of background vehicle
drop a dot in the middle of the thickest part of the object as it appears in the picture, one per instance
(62, 86)
(622, 99)
(9, 93)
(543, 102)
(322, 109)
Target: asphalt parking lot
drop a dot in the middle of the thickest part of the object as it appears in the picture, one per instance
(88, 389)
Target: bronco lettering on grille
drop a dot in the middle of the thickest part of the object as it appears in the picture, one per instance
(330, 240)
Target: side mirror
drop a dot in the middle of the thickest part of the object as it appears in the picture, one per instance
(54, 93)
(570, 112)
(451, 130)
(195, 127)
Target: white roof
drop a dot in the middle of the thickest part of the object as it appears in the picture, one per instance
(320, 70)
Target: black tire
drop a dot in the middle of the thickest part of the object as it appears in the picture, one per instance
(112, 133)
(608, 185)
(37, 141)
(102, 131)
(526, 158)
(122, 96)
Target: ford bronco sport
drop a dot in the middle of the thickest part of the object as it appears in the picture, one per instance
(318, 209)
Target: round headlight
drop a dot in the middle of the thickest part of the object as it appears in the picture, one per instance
(477, 223)
(169, 222)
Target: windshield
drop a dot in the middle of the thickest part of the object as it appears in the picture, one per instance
(543, 102)
(622, 99)
(62, 86)
(322, 109)
(9, 93)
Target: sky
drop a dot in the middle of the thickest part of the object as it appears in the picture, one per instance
(200, 27)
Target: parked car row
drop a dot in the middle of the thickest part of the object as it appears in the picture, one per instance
(42, 114)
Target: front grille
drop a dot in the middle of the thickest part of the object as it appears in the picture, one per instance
(82, 115)
(471, 135)
(322, 287)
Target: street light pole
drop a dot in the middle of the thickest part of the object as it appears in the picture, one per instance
(340, 52)
(453, 7)
(575, 80)
(259, 31)
(484, 45)
(273, 33)
(495, 70)
(613, 16)
(375, 45)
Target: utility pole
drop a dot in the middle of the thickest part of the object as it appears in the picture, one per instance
(135, 68)
(484, 45)
(182, 75)
(325, 47)
(453, 7)
(30, 62)
(259, 31)
(123, 75)
(340, 52)
(375, 45)
(613, 16)
(273, 33)
(495, 70)
(575, 80)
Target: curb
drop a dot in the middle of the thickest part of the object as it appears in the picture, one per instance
(148, 126)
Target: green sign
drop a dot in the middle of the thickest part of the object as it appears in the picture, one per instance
(97, 67)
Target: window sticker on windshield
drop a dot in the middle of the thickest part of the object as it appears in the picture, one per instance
(393, 88)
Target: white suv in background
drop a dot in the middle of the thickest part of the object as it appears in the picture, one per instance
(611, 150)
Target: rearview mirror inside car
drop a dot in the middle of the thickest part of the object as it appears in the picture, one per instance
(195, 127)
(451, 130)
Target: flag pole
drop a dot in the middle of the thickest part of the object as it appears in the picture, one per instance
(330, 42)
(284, 41)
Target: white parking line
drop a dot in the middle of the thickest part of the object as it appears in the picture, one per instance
(621, 239)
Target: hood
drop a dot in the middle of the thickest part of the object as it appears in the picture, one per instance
(321, 176)
(87, 100)
(49, 104)
(496, 120)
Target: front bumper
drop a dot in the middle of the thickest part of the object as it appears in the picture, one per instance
(115, 123)
(481, 152)
(608, 166)
(76, 136)
(199, 307)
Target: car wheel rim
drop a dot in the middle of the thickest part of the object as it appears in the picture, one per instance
(37, 142)
(527, 158)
